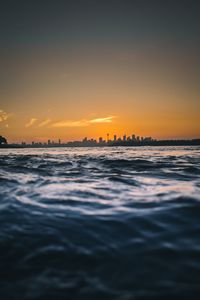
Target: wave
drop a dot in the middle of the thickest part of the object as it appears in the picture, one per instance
(93, 225)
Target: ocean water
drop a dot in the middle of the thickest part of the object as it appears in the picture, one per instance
(100, 223)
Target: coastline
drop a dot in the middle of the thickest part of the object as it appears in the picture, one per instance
(194, 142)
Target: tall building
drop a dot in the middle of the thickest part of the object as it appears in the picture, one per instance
(115, 138)
(124, 138)
(107, 137)
(133, 137)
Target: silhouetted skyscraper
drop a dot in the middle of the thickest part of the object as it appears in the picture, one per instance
(133, 137)
(107, 137)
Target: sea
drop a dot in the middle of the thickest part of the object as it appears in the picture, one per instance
(100, 223)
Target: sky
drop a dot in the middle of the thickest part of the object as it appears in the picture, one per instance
(70, 69)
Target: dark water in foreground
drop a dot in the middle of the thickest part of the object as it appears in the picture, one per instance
(106, 223)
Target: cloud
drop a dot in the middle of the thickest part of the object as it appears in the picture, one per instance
(31, 122)
(102, 120)
(3, 115)
(83, 123)
(44, 123)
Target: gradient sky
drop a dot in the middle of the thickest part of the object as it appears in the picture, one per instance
(70, 69)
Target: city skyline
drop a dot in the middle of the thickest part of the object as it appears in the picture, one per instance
(108, 138)
(115, 140)
(100, 140)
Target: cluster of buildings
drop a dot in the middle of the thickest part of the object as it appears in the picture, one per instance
(133, 139)
(117, 140)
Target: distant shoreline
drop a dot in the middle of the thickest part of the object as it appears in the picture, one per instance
(194, 142)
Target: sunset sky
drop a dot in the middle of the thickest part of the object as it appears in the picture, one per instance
(70, 69)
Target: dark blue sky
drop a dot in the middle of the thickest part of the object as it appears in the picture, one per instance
(25, 23)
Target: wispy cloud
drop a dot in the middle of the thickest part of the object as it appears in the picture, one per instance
(3, 115)
(44, 123)
(83, 123)
(69, 123)
(31, 122)
(102, 120)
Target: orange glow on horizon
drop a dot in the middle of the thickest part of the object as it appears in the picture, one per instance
(89, 95)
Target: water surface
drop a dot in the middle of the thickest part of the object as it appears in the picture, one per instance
(100, 223)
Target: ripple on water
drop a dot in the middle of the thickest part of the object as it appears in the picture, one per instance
(108, 223)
